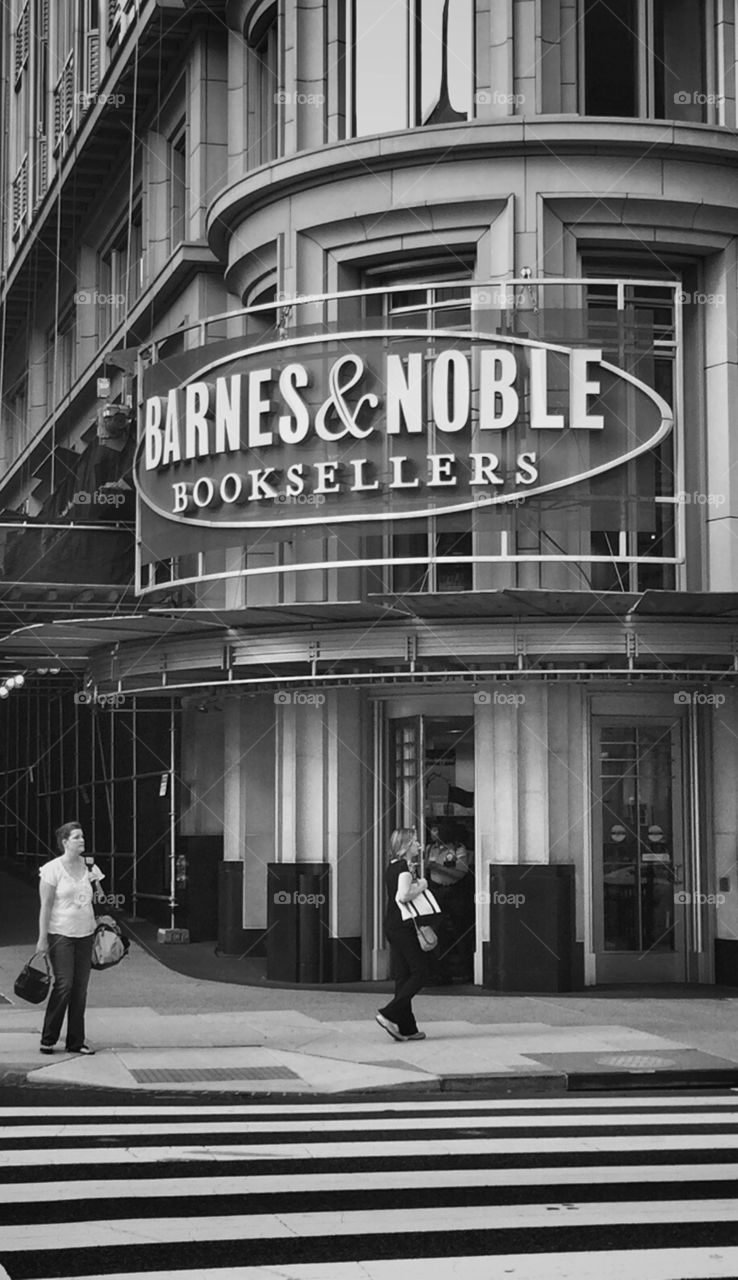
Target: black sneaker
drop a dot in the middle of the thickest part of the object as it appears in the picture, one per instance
(47, 1048)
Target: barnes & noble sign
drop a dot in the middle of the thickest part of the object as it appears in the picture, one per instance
(363, 427)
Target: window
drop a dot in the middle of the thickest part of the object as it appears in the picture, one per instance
(177, 187)
(120, 272)
(41, 168)
(15, 416)
(430, 306)
(646, 58)
(411, 64)
(90, 50)
(263, 85)
(61, 359)
(632, 509)
(63, 60)
(21, 111)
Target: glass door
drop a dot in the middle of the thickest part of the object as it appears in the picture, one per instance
(639, 919)
(432, 773)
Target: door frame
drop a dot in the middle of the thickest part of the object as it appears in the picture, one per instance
(688, 786)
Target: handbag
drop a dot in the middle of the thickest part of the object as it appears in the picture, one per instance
(109, 943)
(424, 906)
(426, 935)
(31, 984)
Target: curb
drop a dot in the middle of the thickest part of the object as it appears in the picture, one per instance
(498, 1085)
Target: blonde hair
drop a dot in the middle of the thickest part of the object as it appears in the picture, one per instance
(400, 841)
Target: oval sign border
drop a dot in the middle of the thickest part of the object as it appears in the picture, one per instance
(667, 425)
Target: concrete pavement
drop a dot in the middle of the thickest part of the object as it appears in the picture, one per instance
(154, 1028)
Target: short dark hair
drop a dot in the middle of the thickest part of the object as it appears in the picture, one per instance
(64, 832)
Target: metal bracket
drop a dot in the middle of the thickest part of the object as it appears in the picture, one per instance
(631, 647)
(521, 649)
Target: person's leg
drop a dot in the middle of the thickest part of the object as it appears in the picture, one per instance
(400, 973)
(412, 975)
(78, 995)
(61, 956)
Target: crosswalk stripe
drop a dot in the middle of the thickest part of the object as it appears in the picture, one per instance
(663, 1264)
(50, 1132)
(352, 1150)
(87, 1190)
(569, 1103)
(286, 1226)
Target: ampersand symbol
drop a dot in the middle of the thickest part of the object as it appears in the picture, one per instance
(337, 403)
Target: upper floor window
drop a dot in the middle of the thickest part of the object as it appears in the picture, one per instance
(177, 167)
(411, 63)
(61, 357)
(646, 58)
(263, 84)
(120, 271)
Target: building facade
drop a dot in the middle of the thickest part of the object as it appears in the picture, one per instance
(368, 373)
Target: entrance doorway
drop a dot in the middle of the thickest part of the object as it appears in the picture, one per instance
(432, 789)
(640, 932)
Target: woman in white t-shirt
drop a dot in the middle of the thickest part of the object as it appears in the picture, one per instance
(65, 930)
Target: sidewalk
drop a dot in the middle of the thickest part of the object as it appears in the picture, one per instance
(156, 1029)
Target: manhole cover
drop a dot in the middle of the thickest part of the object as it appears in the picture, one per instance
(182, 1075)
(634, 1061)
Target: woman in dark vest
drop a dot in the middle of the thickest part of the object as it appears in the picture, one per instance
(410, 965)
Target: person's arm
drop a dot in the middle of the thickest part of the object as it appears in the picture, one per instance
(407, 888)
(47, 893)
(96, 879)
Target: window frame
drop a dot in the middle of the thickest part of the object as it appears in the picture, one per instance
(645, 76)
(414, 70)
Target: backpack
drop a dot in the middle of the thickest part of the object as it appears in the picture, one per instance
(109, 944)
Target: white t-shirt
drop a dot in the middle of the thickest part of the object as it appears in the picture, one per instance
(71, 912)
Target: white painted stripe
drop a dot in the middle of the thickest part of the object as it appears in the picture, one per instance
(386, 1180)
(657, 1264)
(568, 1103)
(309, 1124)
(291, 1226)
(356, 1150)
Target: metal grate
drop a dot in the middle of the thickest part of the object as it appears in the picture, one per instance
(180, 1075)
(635, 1061)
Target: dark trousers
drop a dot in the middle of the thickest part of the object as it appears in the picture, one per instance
(71, 961)
(410, 968)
